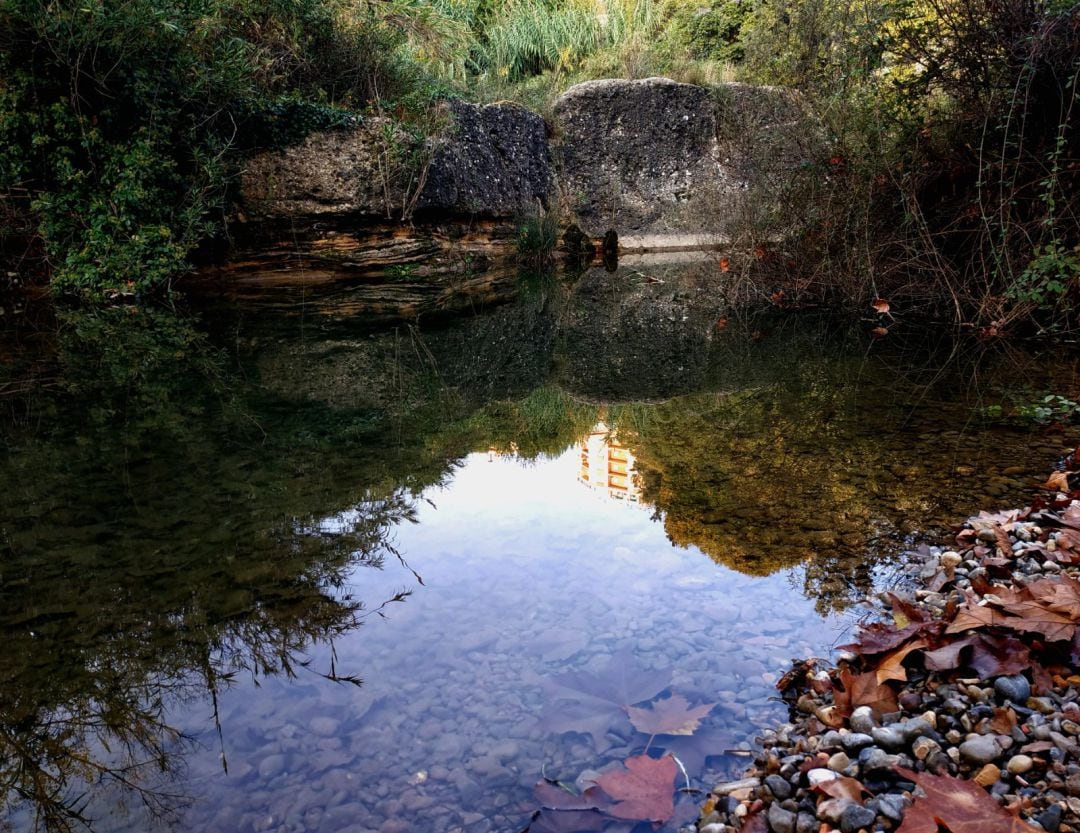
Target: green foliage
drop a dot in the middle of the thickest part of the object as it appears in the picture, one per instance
(536, 238)
(122, 120)
(150, 369)
(710, 31)
(1052, 272)
(1028, 407)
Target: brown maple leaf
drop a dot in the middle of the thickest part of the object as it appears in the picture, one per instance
(987, 520)
(971, 616)
(1060, 594)
(1004, 543)
(1003, 721)
(1071, 515)
(842, 787)
(645, 790)
(1032, 617)
(947, 657)
(1068, 547)
(864, 690)
(991, 655)
(891, 666)
(669, 716)
(957, 806)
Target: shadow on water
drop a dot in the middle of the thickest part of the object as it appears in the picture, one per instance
(164, 528)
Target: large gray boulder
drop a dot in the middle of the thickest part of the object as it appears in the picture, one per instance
(631, 151)
(493, 161)
(484, 160)
(649, 157)
(655, 156)
(331, 172)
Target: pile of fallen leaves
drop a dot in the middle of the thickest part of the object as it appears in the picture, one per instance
(1014, 608)
(989, 628)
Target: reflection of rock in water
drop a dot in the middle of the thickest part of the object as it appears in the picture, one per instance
(635, 336)
(505, 353)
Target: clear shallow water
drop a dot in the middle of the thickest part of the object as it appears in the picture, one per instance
(201, 524)
(526, 573)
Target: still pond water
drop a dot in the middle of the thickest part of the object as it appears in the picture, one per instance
(281, 573)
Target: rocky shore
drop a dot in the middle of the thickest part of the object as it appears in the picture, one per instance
(957, 709)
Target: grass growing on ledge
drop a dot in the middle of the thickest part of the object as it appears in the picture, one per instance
(536, 238)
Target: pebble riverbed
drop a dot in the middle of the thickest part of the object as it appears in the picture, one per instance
(1020, 745)
(443, 735)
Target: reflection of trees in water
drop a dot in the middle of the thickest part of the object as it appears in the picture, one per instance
(823, 464)
(92, 666)
(158, 542)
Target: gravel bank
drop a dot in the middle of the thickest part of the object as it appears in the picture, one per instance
(868, 734)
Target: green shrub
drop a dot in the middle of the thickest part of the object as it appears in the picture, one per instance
(709, 31)
(121, 120)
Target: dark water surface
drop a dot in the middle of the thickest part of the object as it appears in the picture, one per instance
(282, 573)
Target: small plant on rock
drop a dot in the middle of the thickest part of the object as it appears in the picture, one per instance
(537, 236)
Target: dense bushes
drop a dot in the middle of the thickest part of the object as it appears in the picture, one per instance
(118, 121)
(953, 171)
(955, 149)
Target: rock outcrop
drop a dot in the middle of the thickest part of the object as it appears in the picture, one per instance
(658, 157)
(629, 151)
(485, 160)
(647, 157)
(493, 161)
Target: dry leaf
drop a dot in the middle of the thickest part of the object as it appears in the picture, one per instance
(864, 690)
(891, 666)
(645, 790)
(842, 787)
(1003, 721)
(1058, 481)
(670, 716)
(957, 806)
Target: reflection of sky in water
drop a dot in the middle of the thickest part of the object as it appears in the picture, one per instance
(526, 572)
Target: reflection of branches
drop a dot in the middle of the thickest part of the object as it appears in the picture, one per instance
(122, 742)
(84, 695)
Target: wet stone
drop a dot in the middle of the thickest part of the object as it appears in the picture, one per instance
(855, 818)
(1050, 818)
(820, 776)
(833, 809)
(778, 786)
(922, 747)
(891, 806)
(855, 741)
(781, 820)
(1015, 688)
(980, 750)
(889, 738)
(862, 720)
(875, 760)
